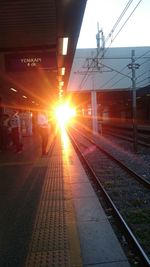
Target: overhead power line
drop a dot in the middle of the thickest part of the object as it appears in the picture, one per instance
(127, 20)
(116, 75)
(147, 78)
(110, 35)
(120, 17)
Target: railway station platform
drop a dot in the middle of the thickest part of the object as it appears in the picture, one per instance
(60, 221)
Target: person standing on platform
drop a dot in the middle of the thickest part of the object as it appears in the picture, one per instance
(15, 125)
(43, 126)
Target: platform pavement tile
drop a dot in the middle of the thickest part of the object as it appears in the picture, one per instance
(78, 179)
(99, 243)
(80, 190)
(74, 171)
(89, 209)
(111, 264)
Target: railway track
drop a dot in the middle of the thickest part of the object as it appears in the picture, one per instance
(127, 139)
(112, 153)
(127, 193)
(143, 136)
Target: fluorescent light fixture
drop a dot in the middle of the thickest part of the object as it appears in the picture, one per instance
(63, 71)
(65, 46)
(24, 96)
(13, 89)
(61, 83)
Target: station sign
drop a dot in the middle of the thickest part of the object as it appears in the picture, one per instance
(30, 61)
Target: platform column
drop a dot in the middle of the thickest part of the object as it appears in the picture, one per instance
(94, 111)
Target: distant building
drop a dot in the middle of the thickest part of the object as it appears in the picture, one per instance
(109, 72)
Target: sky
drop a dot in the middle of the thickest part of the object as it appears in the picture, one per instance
(103, 14)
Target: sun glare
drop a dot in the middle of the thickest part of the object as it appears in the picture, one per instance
(64, 113)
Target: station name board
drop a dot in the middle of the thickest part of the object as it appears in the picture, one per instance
(30, 61)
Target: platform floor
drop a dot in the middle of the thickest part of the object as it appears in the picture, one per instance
(60, 221)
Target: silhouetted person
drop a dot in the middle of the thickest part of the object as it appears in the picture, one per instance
(43, 127)
(15, 125)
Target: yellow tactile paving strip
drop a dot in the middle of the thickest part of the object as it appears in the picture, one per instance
(55, 240)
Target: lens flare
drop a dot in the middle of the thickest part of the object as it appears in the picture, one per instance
(64, 114)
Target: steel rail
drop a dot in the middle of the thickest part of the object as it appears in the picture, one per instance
(129, 139)
(138, 177)
(126, 229)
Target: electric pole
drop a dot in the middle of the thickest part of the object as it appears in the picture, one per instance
(100, 39)
(133, 66)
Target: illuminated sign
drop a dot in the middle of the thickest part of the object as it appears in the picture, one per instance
(30, 61)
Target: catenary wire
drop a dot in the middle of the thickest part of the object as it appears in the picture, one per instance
(103, 85)
(118, 20)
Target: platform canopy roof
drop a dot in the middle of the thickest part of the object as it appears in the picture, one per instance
(31, 41)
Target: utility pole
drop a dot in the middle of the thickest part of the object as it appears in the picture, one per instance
(133, 66)
(100, 39)
(94, 65)
(100, 46)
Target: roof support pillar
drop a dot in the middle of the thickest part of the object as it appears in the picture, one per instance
(94, 111)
